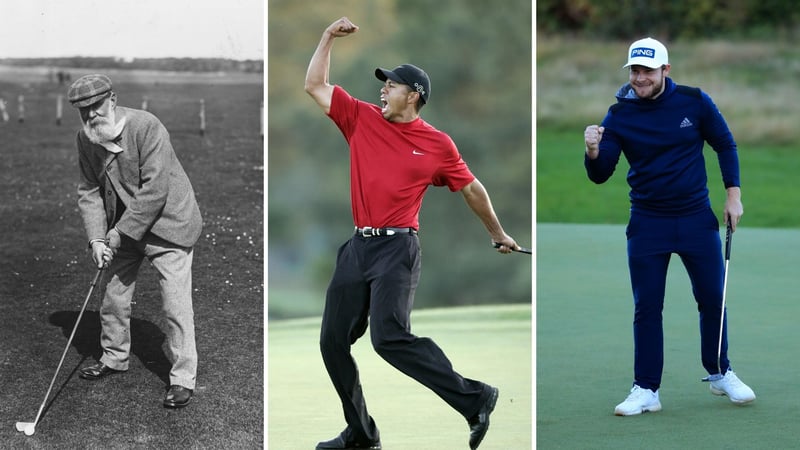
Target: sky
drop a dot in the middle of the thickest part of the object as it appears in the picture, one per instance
(132, 28)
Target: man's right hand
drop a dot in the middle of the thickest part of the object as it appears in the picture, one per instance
(101, 254)
(342, 27)
(592, 137)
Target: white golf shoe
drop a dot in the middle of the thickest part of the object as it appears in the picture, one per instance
(639, 400)
(733, 387)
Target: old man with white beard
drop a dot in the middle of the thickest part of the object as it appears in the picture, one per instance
(136, 202)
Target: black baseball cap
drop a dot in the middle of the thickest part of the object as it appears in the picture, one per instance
(408, 74)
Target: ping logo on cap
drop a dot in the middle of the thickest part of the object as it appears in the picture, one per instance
(643, 52)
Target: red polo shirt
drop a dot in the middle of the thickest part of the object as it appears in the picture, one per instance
(392, 164)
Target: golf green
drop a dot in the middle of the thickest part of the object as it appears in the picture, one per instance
(488, 343)
(584, 346)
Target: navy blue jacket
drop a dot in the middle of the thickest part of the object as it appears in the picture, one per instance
(663, 141)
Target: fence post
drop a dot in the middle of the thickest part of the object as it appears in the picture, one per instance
(3, 111)
(59, 108)
(262, 118)
(202, 117)
(144, 103)
(21, 108)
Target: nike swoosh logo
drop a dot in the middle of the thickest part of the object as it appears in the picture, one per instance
(417, 153)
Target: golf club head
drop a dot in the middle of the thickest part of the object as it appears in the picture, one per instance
(715, 377)
(26, 427)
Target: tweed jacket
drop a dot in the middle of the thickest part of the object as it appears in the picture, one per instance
(145, 176)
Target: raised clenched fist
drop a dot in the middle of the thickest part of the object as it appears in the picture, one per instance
(342, 27)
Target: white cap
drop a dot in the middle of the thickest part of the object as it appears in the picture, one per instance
(647, 52)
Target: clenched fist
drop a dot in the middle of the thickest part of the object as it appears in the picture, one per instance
(342, 27)
(592, 136)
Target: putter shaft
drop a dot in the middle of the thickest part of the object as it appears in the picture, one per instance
(728, 239)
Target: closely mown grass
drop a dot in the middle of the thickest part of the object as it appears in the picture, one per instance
(565, 194)
(490, 343)
(45, 271)
(754, 84)
(584, 346)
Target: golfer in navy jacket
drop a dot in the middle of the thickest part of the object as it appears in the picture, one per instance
(661, 127)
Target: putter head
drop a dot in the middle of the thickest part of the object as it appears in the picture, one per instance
(715, 377)
(26, 427)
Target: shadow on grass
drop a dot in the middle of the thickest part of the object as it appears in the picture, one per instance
(146, 340)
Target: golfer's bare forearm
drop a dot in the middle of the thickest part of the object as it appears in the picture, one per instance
(478, 200)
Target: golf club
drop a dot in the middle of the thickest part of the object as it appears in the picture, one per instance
(520, 250)
(719, 374)
(30, 427)
(728, 233)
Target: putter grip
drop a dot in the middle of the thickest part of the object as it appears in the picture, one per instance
(519, 250)
(728, 233)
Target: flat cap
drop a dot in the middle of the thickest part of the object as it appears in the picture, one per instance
(88, 90)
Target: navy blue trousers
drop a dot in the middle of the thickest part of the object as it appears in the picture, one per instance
(374, 283)
(651, 243)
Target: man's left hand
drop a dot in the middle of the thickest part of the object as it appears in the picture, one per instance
(733, 207)
(506, 244)
(114, 239)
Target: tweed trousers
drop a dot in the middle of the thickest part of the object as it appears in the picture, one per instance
(174, 266)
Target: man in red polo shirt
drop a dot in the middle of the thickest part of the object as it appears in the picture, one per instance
(394, 157)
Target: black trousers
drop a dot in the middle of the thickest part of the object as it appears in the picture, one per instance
(374, 281)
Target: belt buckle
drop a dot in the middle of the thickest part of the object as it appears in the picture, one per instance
(368, 232)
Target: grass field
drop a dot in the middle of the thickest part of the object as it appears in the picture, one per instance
(584, 308)
(754, 84)
(584, 346)
(45, 271)
(565, 194)
(489, 343)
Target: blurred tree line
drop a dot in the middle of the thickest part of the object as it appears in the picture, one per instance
(478, 55)
(170, 64)
(676, 19)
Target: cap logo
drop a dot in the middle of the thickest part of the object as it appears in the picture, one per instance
(419, 88)
(643, 52)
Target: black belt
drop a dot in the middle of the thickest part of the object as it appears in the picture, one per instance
(388, 231)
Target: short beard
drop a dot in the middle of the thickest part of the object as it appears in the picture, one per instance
(103, 130)
(658, 89)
